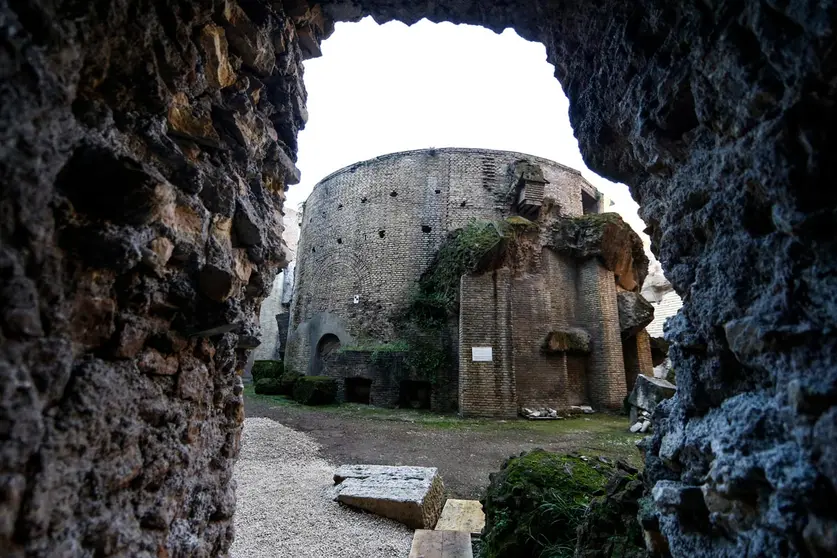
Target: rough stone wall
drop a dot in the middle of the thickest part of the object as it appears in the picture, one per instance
(486, 389)
(371, 229)
(718, 115)
(146, 150)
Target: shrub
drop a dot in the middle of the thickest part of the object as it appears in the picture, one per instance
(537, 500)
(315, 390)
(267, 386)
(288, 381)
(267, 369)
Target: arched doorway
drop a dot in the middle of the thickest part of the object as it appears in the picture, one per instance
(326, 346)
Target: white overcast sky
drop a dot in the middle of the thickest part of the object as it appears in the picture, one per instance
(383, 88)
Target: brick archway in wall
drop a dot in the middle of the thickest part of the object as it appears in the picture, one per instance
(147, 147)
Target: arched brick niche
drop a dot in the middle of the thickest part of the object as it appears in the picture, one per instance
(122, 330)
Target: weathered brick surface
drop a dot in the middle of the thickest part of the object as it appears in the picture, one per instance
(342, 252)
(597, 303)
(486, 388)
(637, 357)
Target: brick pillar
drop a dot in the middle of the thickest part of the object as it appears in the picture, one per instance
(486, 389)
(597, 304)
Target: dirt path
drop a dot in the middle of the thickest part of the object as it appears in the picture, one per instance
(465, 452)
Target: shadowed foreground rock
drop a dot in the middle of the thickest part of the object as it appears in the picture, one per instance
(146, 148)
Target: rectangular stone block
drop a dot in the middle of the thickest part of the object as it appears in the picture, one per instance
(462, 515)
(410, 495)
(441, 544)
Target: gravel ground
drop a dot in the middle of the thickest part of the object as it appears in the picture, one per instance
(285, 508)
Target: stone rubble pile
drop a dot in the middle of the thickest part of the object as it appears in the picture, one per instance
(648, 392)
(549, 413)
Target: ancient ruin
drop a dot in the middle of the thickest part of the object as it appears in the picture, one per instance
(533, 320)
(146, 150)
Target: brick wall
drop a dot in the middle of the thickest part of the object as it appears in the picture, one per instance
(486, 389)
(637, 357)
(597, 303)
(386, 372)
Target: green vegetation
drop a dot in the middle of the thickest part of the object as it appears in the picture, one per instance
(377, 350)
(267, 386)
(288, 381)
(610, 528)
(315, 390)
(466, 250)
(536, 502)
(599, 434)
(267, 369)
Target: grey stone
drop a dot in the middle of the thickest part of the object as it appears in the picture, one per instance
(648, 392)
(411, 495)
(634, 313)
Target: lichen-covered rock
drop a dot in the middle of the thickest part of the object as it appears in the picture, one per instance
(315, 390)
(610, 528)
(534, 504)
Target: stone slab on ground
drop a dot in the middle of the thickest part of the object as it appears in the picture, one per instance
(462, 515)
(441, 544)
(410, 495)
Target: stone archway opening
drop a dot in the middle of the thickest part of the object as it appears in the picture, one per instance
(127, 328)
(327, 346)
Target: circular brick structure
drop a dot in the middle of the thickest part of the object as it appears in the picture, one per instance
(371, 229)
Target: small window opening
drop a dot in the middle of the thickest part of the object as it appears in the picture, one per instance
(393, 194)
(438, 191)
(339, 241)
(589, 204)
(414, 394)
(426, 229)
(382, 234)
(313, 250)
(339, 206)
(362, 200)
(358, 390)
(462, 204)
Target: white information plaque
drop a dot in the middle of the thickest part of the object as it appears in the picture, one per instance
(481, 354)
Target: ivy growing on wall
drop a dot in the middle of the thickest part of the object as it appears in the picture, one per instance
(435, 300)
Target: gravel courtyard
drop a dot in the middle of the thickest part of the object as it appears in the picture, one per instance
(464, 451)
(285, 510)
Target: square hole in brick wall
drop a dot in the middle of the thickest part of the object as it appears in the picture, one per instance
(358, 390)
(414, 394)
